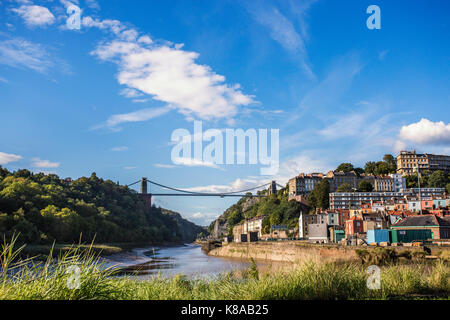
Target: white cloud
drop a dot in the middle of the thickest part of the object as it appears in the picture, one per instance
(382, 54)
(22, 1)
(114, 26)
(191, 162)
(366, 123)
(68, 3)
(346, 126)
(203, 218)
(236, 185)
(21, 53)
(335, 85)
(198, 215)
(129, 168)
(38, 163)
(130, 93)
(4, 80)
(139, 100)
(35, 15)
(288, 169)
(145, 39)
(426, 132)
(329, 91)
(6, 158)
(135, 116)
(10, 26)
(298, 164)
(166, 166)
(119, 149)
(93, 4)
(363, 133)
(168, 74)
(283, 30)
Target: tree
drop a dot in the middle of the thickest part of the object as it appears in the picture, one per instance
(43, 208)
(3, 172)
(359, 171)
(447, 187)
(437, 179)
(365, 186)
(266, 225)
(411, 181)
(391, 163)
(345, 187)
(382, 168)
(345, 167)
(319, 197)
(370, 167)
(234, 218)
(275, 218)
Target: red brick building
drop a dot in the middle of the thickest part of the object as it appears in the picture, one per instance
(344, 215)
(354, 225)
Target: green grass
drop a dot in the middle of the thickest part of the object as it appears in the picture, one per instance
(309, 281)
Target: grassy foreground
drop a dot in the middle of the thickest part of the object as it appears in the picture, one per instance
(23, 279)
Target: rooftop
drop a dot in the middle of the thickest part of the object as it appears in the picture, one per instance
(423, 220)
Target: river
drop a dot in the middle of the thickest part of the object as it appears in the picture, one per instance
(186, 259)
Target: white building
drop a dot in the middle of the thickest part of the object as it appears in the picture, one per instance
(304, 220)
(378, 207)
(255, 225)
(414, 205)
(399, 182)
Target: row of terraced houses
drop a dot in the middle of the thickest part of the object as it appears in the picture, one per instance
(391, 213)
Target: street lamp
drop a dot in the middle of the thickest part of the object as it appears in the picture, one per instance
(418, 181)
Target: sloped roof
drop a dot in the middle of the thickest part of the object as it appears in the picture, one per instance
(446, 218)
(423, 220)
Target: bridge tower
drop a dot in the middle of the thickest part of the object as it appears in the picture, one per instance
(273, 187)
(146, 196)
(143, 185)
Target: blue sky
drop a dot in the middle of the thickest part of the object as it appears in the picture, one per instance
(107, 97)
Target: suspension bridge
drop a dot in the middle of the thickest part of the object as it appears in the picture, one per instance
(176, 192)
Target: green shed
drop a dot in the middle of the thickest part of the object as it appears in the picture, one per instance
(393, 236)
(410, 235)
(338, 235)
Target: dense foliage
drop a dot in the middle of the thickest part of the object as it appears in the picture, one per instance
(44, 208)
(345, 187)
(387, 166)
(428, 179)
(320, 195)
(277, 209)
(365, 186)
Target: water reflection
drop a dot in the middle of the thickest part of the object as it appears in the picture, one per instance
(188, 259)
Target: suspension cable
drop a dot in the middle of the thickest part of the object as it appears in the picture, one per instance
(129, 185)
(194, 192)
